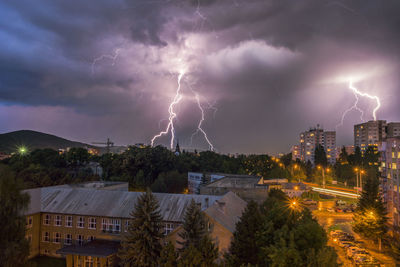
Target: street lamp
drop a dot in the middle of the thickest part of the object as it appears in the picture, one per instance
(359, 173)
(22, 150)
(319, 167)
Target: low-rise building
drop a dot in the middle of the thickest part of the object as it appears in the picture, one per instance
(245, 186)
(85, 223)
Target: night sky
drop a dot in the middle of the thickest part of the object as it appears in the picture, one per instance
(263, 70)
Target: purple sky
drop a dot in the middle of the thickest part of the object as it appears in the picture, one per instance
(263, 70)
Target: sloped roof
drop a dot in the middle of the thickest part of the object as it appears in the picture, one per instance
(227, 210)
(119, 204)
(236, 182)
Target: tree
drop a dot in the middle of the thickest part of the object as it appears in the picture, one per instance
(14, 248)
(320, 156)
(195, 235)
(168, 257)
(370, 218)
(243, 248)
(142, 244)
(194, 226)
(190, 257)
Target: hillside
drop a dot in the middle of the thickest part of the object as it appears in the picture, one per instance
(33, 140)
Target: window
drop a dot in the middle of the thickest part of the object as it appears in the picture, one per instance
(126, 226)
(57, 221)
(68, 239)
(88, 261)
(29, 221)
(92, 223)
(79, 239)
(68, 221)
(90, 238)
(81, 222)
(46, 237)
(46, 219)
(168, 228)
(57, 238)
(117, 225)
(111, 225)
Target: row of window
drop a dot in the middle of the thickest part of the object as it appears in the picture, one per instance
(57, 239)
(113, 225)
(107, 224)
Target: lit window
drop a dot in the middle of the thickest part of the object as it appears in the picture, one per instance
(58, 220)
(46, 219)
(394, 166)
(68, 239)
(92, 223)
(68, 221)
(29, 221)
(57, 238)
(46, 237)
(88, 261)
(81, 222)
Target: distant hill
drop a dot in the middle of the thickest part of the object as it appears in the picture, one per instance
(9, 142)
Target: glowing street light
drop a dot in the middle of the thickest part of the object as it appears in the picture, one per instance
(22, 150)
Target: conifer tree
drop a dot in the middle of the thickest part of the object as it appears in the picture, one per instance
(196, 239)
(142, 245)
(370, 218)
(14, 248)
(243, 247)
(168, 257)
(194, 226)
(190, 257)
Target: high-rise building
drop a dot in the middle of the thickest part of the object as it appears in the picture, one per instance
(390, 179)
(369, 133)
(295, 150)
(310, 139)
(393, 129)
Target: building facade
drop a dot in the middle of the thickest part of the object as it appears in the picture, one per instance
(86, 224)
(370, 133)
(295, 150)
(310, 139)
(393, 129)
(390, 179)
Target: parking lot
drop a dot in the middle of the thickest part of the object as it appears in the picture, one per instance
(352, 251)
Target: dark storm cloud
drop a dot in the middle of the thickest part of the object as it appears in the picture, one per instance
(265, 63)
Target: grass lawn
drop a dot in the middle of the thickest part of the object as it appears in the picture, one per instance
(43, 261)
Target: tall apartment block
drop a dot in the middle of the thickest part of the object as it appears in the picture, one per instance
(393, 129)
(370, 133)
(310, 139)
(295, 150)
(390, 179)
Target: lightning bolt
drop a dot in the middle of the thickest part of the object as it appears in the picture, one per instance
(106, 56)
(172, 115)
(357, 93)
(199, 126)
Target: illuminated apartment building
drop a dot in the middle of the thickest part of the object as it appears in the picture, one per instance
(310, 139)
(369, 134)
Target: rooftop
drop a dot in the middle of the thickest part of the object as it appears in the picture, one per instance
(108, 203)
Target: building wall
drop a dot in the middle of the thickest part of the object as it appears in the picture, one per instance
(390, 177)
(393, 129)
(219, 234)
(39, 246)
(33, 233)
(247, 194)
(369, 133)
(310, 139)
